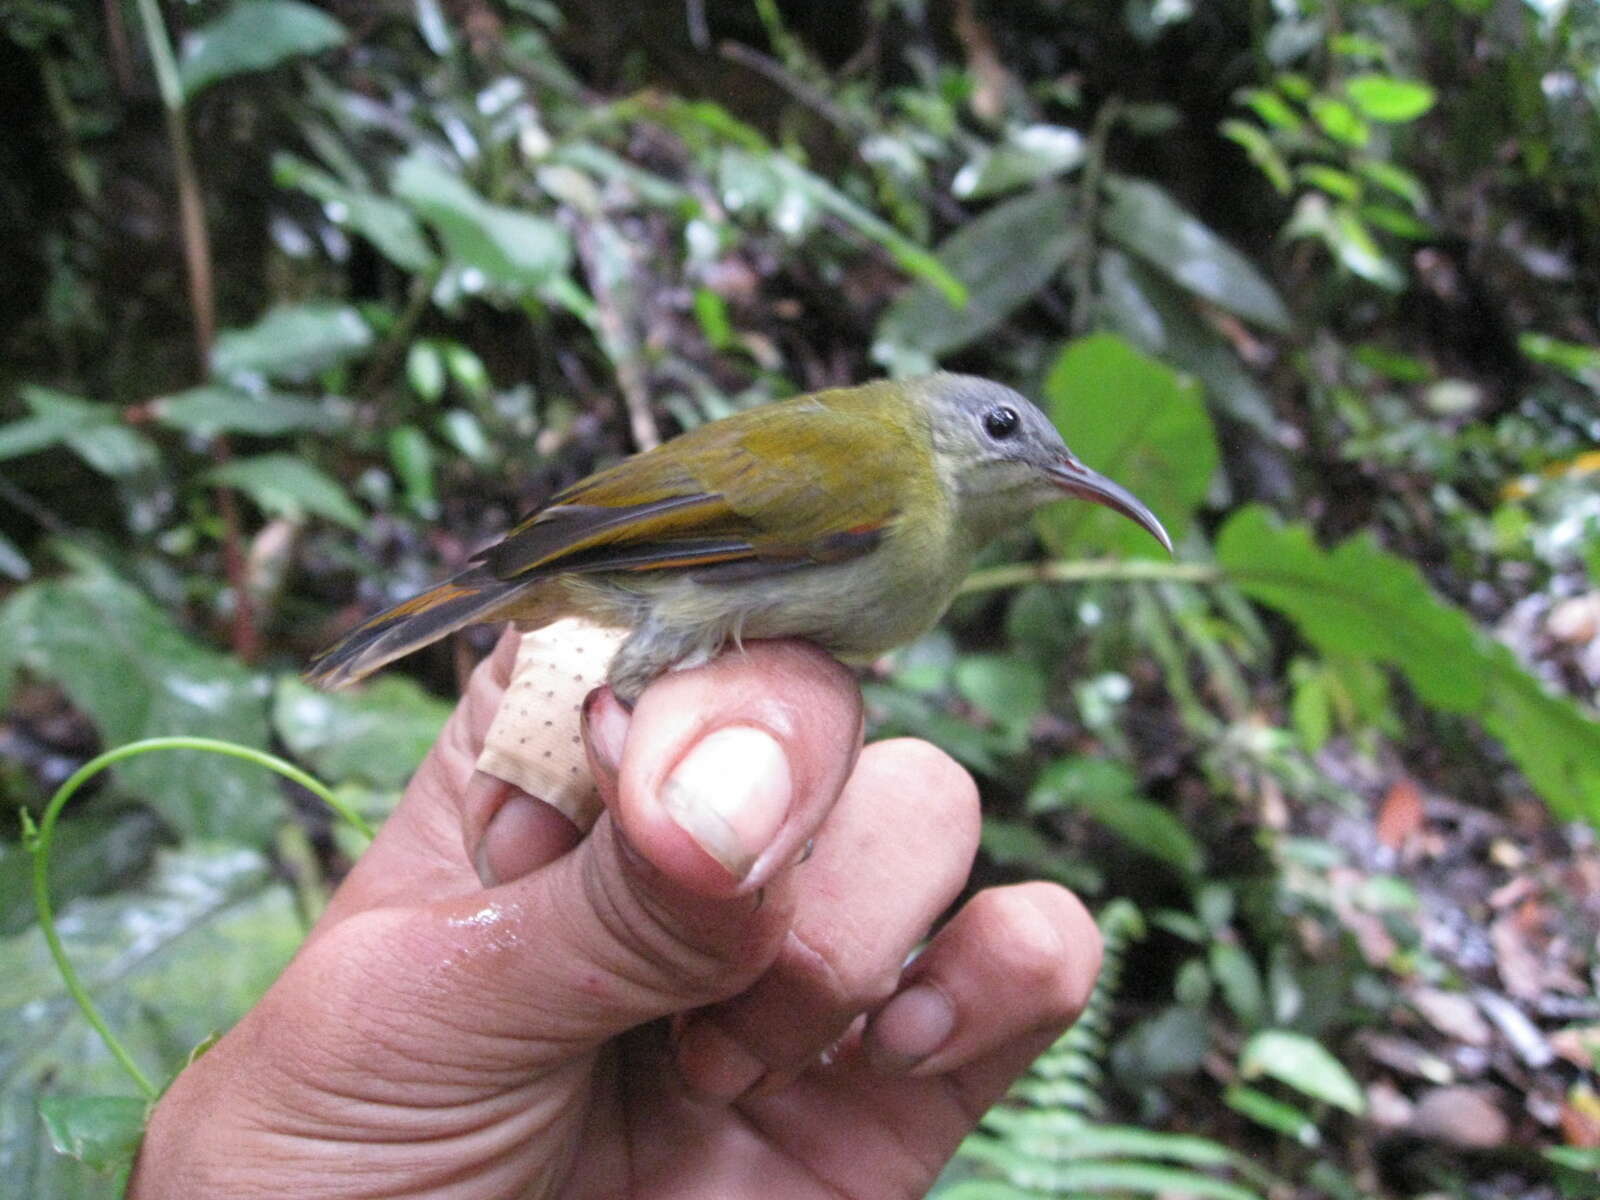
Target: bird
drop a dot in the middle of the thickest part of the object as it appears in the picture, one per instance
(848, 516)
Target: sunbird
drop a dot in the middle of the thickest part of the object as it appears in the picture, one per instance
(848, 517)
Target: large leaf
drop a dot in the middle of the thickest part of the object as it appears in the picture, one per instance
(1142, 424)
(254, 35)
(376, 735)
(169, 963)
(385, 223)
(1146, 221)
(1161, 320)
(122, 661)
(283, 485)
(216, 409)
(1361, 602)
(1002, 259)
(95, 852)
(511, 248)
(294, 342)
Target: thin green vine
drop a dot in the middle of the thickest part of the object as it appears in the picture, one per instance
(37, 839)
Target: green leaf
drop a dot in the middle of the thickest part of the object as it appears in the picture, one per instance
(215, 408)
(1146, 221)
(93, 432)
(287, 486)
(1339, 184)
(1274, 1114)
(13, 562)
(1161, 320)
(1138, 422)
(1385, 98)
(169, 963)
(1240, 981)
(102, 1132)
(1339, 121)
(1272, 109)
(295, 342)
(513, 249)
(254, 35)
(1304, 1064)
(376, 735)
(1002, 259)
(1258, 146)
(915, 260)
(95, 852)
(414, 461)
(1106, 792)
(1028, 155)
(1366, 604)
(1006, 688)
(121, 660)
(388, 225)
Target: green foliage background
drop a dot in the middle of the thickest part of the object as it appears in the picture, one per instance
(299, 306)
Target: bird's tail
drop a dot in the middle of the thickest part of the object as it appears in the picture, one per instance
(473, 596)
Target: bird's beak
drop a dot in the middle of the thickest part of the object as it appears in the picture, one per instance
(1072, 477)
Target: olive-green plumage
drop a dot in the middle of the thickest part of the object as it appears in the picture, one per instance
(848, 516)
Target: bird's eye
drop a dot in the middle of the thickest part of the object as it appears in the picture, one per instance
(1001, 423)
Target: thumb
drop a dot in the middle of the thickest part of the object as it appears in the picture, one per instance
(681, 894)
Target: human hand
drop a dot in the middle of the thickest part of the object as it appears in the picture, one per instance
(626, 1013)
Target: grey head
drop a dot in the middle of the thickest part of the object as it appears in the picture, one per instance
(1002, 457)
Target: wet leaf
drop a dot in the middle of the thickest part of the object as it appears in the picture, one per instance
(293, 342)
(514, 249)
(286, 486)
(254, 35)
(1002, 258)
(375, 735)
(1160, 319)
(170, 962)
(385, 223)
(1145, 220)
(1027, 155)
(94, 432)
(1138, 422)
(122, 661)
(213, 409)
(102, 1132)
(95, 852)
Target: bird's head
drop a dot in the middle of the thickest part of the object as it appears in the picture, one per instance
(1000, 457)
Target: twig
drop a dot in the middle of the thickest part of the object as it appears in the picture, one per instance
(1083, 289)
(202, 304)
(1018, 574)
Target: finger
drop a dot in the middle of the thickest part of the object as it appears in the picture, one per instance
(892, 856)
(1015, 962)
(725, 771)
(639, 921)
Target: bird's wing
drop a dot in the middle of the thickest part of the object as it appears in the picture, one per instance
(762, 489)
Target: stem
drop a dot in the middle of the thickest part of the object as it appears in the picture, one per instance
(1083, 289)
(38, 840)
(202, 303)
(1018, 574)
